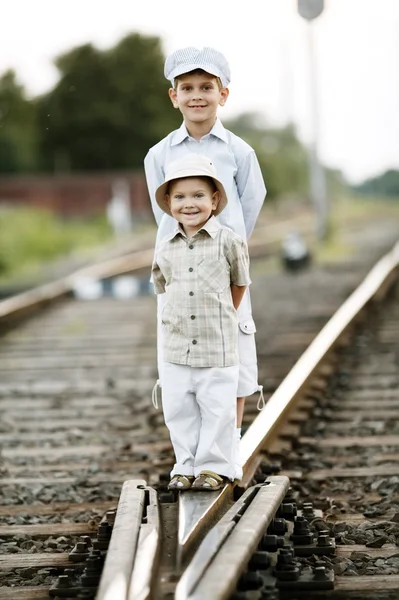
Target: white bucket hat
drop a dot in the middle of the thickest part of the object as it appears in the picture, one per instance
(192, 165)
(188, 59)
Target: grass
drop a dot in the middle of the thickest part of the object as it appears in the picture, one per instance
(31, 237)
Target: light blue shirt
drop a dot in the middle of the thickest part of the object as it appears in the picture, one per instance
(237, 168)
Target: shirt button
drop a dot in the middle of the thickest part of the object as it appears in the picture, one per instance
(191, 269)
(191, 246)
(194, 342)
(191, 294)
(192, 317)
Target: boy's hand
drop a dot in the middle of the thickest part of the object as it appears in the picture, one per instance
(237, 293)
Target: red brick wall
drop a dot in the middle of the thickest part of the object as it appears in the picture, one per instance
(74, 195)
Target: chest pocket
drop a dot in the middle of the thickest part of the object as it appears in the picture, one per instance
(213, 276)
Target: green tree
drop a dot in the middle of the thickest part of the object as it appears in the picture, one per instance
(108, 107)
(386, 184)
(17, 127)
(281, 156)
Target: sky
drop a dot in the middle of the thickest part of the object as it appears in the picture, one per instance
(267, 43)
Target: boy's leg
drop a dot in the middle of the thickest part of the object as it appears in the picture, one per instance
(240, 410)
(182, 415)
(216, 389)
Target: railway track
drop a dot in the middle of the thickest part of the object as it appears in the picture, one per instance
(77, 426)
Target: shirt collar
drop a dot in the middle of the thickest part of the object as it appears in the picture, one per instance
(182, 134)
(211, 227)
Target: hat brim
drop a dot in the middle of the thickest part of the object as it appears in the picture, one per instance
(207, 67)
(162, 192)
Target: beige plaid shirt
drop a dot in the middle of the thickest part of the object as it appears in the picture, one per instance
(199, 321)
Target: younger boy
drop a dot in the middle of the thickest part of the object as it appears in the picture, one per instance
(204, 269)
(200, 79)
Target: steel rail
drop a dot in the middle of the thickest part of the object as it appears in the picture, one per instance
(265, 427)
(194, 518)
(147, 556)
(128, 537)
(225, 551)
(29, 302)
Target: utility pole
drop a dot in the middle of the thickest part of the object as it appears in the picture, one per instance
(309, 10)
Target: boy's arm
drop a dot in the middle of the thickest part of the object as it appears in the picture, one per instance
(155, 177)
(238, 259)
(237, 294)
(157, 278)
(251, 190)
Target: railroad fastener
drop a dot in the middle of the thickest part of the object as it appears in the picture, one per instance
(92, 572)
(302, 534)
(259, 561)
(319, 574)
(287, 510)
(270, 468)
(104, 533)
(87, 539)
(291, 495)
(271, 543)
(324, 538)
(61, 588)
(250, 581)
(110, 517)
(79, 552)
(278, 527)
(308, 509)
(286, 568)
(287, 573)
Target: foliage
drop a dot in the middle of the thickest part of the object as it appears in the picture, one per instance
(386, 184)
(18, 133)
(108, 108)
(282, 158)
(30, 236)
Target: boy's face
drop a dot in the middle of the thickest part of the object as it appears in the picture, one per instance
(197, 96)
(191, 201)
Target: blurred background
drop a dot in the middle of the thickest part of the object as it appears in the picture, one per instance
(83, 98)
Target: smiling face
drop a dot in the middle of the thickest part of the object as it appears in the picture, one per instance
(197, 95)
(191, 201)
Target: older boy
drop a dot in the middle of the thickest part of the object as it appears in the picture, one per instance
(204, 269)
(200, 79)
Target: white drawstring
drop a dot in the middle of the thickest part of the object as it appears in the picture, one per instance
(261, 401)
(154, 396)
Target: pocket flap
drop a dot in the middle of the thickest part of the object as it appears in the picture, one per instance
(247, 326)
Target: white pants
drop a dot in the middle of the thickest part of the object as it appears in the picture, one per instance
(248, 373)
(199, 406)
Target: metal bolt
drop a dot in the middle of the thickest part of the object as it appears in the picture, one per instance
(301, 525)
(110, 516)
(62, 581)
(323, 540)
(259, 561)
(308, 509)
(79, 552)
(319, 574)
(278, 527)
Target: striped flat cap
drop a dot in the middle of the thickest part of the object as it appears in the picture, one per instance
(188, 59)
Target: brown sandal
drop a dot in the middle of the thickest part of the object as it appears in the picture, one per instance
(209, 481)
(181, 482)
